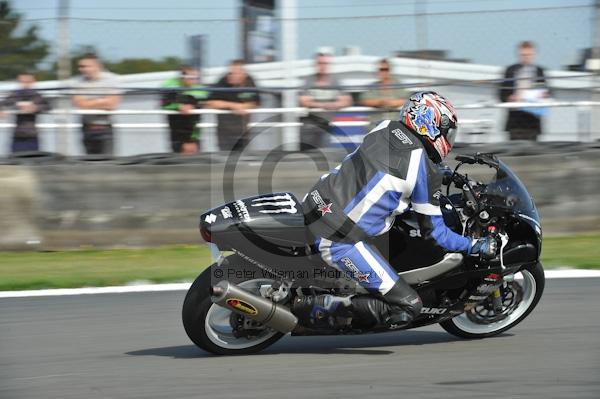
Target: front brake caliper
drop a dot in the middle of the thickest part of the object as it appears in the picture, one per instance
(491, 283)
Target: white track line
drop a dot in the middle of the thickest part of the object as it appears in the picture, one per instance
(96, 290)
(571, 273)
(550, 274)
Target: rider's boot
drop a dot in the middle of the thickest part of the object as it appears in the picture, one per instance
(370, 312)
(396, 309)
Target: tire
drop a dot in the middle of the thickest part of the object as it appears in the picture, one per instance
(197, 305)
(532, 287)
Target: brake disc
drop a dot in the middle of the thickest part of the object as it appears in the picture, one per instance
(484, 313)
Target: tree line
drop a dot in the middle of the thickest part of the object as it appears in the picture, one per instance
(22, 49)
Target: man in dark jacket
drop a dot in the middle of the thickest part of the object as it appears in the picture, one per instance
(28, 103)
(524, 82)
(232, 130)
(184, 96)
(392, 170)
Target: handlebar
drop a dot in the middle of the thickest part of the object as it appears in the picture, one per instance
(481, 158)
(468, 159)
(462, 181)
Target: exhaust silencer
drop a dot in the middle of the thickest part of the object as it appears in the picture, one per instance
(254, 307)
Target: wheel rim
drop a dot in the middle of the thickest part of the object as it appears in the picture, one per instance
(218, 327)
(522, 289)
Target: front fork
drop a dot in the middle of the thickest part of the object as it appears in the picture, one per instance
(497, 294)
(497, 300)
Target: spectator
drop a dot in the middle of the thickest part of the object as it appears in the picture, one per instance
(28, 103)
(185, 135)
(524, 82)
(96, 90)
(320, 92)
(384, 94)
(232, 128)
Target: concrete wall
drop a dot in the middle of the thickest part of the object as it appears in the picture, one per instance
(74, 204)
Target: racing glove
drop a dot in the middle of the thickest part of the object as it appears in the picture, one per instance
(486, 247)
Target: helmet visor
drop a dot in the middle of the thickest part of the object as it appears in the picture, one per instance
(451, 136)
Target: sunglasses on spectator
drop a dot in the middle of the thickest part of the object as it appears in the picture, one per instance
(384, 69)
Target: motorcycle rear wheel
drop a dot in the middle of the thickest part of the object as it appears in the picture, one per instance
(481, 322)
(208, 325)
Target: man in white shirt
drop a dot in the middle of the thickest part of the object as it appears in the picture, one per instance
(96, 89)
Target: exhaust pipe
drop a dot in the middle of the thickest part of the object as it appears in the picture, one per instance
(254, 307)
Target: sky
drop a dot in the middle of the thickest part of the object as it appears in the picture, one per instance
(483, 31)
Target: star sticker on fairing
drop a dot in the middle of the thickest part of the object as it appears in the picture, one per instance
(325, 208)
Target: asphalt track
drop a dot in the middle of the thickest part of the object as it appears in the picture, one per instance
(133, 346)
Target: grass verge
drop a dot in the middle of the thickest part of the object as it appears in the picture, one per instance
(68, 269)
(577, 251)
(80, 268)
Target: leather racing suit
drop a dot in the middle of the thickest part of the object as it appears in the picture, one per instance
(388, 174)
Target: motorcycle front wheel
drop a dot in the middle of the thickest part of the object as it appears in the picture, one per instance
(519, 298)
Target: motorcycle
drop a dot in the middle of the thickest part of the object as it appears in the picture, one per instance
(241, 304)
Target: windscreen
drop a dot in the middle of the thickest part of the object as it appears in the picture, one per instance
(506, 191)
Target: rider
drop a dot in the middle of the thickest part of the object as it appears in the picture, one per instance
(392, 170)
